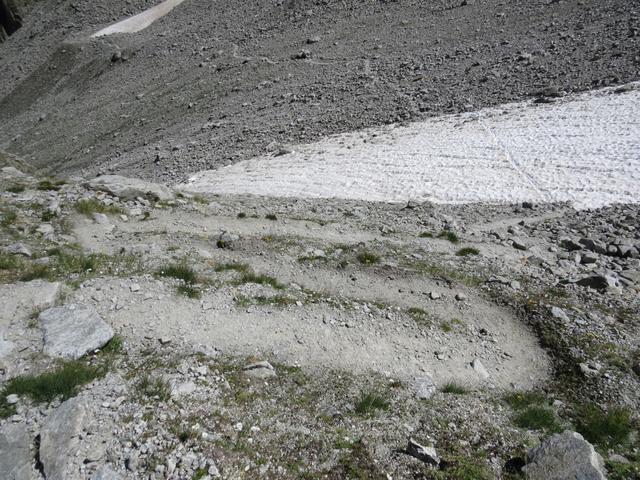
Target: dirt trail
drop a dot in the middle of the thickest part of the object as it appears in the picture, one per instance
(355, 318)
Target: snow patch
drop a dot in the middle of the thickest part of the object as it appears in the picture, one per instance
(583, 149)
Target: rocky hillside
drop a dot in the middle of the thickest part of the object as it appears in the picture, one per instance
(146, 333)
(212, 84)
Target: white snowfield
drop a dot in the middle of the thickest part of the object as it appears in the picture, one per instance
(140, 21)
(583, 149)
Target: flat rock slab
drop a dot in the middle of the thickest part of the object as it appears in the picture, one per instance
(130, 188)
(73, 330)
(16, 459)
(59, 438)
(563, 456)
(19, 300)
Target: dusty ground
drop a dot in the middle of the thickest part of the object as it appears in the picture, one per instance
(209, 85)
(348, 301)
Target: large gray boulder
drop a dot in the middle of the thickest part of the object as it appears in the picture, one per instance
(15, 453)
(565, 456)
(73, 330)
(130, 188)
(59, 438)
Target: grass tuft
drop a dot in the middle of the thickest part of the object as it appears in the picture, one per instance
(271, 216)
(419, 315)
(520, 400)
(250, 277)
(89, 206)
(9, 217)
(368, 258)
(467, 251)
(62, 382)
(180, 271)
(16, 188)
(48, 185)
(537, 417)
(154, 388)
(448, 235)
(369, 403)
(454, 388)
(606, 429)
(189, 291)
(233, 266)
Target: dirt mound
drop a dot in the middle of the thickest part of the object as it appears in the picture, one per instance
(209, 85)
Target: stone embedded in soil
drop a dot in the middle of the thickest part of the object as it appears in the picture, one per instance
(422, 453)
(59, 438)
(562, 456)
(478, 367)
(130, 188)
(19, 249)
(259, 370)
(424, 387)
(73, 330)
(15, 453)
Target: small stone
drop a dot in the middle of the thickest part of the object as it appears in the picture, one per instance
(183, 389)
(134, 287)
(461, 297)
(478, 367)
(518, 244)
(422, 453)
(559, 313)
(12, 399)
(434, 295)
(590, 369)
(101, 219)
(19, 249)
(164, 340)
(259, 370)
(424, 387)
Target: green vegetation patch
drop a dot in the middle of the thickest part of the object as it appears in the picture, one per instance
(50, 185)
(274, 300)
(454, 388)
(604, 428)
(89, 206)
(62, 382)
(538, 417)
(157, 387)
(368, 258)
(183, 272)
(251, 277)
(180, 271)
(369, 403)
(449, 235)
(467, 251)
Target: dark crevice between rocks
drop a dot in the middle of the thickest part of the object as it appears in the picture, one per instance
(38, 463)
(10, 19)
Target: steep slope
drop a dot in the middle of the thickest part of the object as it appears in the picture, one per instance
(212, 84)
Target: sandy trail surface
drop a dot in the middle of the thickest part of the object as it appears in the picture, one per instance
(582, 149)
(326, 333)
